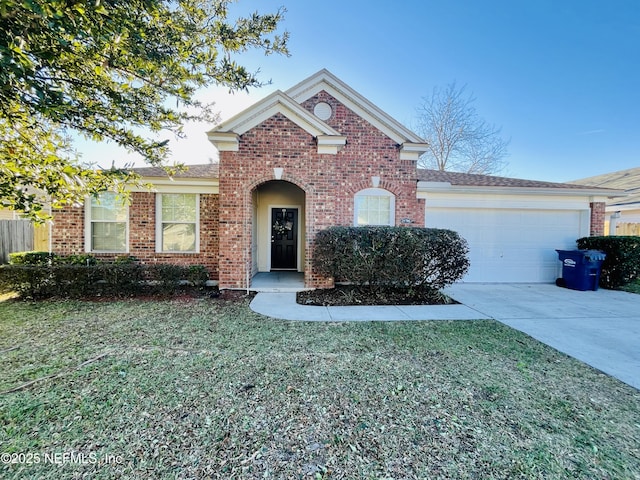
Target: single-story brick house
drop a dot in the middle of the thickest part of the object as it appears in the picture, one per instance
(318, 155)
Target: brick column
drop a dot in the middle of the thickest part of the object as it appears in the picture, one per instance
(597, 218)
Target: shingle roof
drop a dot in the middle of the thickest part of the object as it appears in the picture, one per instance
(627, 180)
(475, 180)
(208, 170)
(624, 179)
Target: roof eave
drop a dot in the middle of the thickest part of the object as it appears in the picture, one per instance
(412, 151)
(210, 185)
(432, 187)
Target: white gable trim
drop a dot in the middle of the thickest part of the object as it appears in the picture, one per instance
(330, 144)
(225, 141)
(412, 151)
(226, 135)
(325, 80)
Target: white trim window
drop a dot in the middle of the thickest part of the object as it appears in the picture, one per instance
(107, 223)
(177, 222)
(374, 206)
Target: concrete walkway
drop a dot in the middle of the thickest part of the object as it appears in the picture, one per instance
(284, 306)
(600, 328)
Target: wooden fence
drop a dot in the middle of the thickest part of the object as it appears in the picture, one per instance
(628, 229)
(15, 236)
(632, 229)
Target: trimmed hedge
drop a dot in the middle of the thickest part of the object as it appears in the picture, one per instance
(31, 258)
(376, 257)
(622, 264)
(48, 258)
(120, 279)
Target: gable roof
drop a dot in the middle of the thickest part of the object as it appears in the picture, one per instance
(325, 80)
(438, 180)
(627, 180)
(277, 102)
(225, 136)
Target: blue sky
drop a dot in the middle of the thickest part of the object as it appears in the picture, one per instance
(562, 77)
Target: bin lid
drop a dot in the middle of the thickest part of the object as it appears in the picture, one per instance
(594, 255)
(581, 255)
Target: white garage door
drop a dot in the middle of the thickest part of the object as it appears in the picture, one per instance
(511, 245)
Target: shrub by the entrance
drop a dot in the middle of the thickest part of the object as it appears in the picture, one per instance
(377, 257)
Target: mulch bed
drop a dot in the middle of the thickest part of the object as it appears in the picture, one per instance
(345, 295)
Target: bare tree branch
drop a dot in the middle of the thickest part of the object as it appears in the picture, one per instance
(459, 139)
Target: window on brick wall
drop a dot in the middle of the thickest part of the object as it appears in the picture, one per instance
(374, 206)
(106, 228)
(177, 222)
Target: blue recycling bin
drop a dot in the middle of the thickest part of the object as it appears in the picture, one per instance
(580, 269)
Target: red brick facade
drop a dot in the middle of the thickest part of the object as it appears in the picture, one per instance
(68, 233)
(328, 181)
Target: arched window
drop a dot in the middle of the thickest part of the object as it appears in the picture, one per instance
(374, 206)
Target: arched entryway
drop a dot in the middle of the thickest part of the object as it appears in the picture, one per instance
(278, 236)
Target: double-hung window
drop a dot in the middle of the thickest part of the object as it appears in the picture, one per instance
(177, 228)
(374, 206)
(107, 223)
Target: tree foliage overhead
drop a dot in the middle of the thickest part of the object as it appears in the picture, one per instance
(109, 69)
(459, 139)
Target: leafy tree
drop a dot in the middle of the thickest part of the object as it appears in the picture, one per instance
(115, 70)
(459, 139)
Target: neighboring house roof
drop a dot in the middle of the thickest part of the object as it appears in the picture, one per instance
(627, 180)
(226, 136)
(439, 179)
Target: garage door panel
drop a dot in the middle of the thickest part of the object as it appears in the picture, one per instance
(511, 245)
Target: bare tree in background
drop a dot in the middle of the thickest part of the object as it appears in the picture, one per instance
(459, 139)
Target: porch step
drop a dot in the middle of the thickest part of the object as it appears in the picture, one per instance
(279, 281)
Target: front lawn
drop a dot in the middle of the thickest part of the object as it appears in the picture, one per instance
(200, 388)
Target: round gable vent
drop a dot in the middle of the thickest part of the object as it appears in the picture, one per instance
(322, 110)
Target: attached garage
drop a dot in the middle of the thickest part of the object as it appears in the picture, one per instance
(512, 245)
(513, 227)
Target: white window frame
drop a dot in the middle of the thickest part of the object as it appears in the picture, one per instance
(88, 226)
(159, 222)
(375, 192)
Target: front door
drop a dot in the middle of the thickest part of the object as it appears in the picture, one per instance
(284, 238)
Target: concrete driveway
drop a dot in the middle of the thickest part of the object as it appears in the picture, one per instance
(600, 328)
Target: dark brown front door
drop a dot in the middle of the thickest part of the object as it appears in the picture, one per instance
(284, 238)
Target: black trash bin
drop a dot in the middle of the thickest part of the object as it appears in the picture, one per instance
(580, 269)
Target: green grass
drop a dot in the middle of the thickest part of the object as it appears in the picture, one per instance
(208, 389)
(633, 287)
